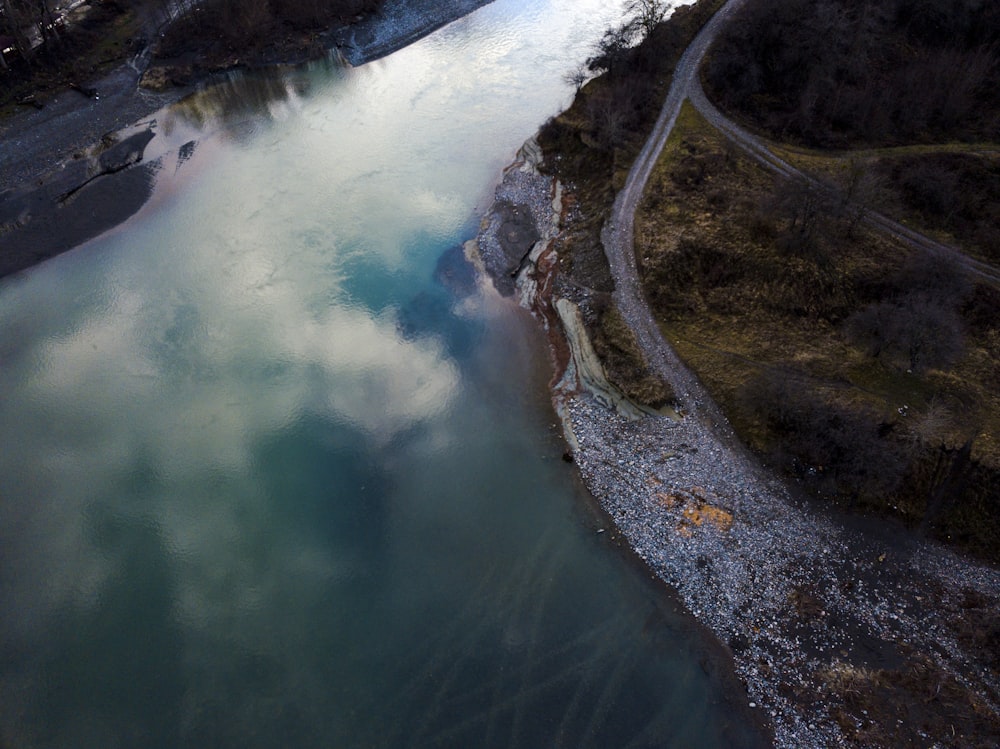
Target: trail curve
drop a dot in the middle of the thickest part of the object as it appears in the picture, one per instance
(617, 235)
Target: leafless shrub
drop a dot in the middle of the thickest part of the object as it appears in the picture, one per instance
(845, 448)
(648, 14)
(936, 275)
(577, 77)
(916, 332)
(935, 424)
(862, 191)
(800, 213)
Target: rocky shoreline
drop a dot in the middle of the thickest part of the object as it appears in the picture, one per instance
(813, 608)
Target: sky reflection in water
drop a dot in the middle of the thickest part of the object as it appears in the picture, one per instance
(275, 475)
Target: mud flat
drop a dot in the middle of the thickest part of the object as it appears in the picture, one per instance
(72, 147)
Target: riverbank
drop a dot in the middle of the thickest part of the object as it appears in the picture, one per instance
(848, 631)
(844, 633)
(74, 141)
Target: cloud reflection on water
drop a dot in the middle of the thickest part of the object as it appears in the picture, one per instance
(247, 486)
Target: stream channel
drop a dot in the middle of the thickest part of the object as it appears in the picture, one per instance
(277, 469)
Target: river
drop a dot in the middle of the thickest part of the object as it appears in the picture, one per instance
(278, 470)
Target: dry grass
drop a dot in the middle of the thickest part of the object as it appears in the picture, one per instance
(624, 363)
(960, 182)
(917, 705)
(591, 170)
(745, 313)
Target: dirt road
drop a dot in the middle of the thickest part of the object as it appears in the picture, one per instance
(807, 603)
(617, 236)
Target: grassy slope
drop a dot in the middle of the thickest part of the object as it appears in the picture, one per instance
(745, 315)
(951, 191)
(763, 320)
(764, 329)
(592, 169)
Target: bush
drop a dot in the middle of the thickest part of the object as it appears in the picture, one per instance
(801, 213)
(847, 449)
(956, 193)
(915, 333)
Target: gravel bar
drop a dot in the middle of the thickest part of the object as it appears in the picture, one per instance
(795, 592)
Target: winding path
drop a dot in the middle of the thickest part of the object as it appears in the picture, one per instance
(760, 151)
(617, 236)
(724, 532)
(740, 581)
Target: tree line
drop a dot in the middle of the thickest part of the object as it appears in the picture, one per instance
(252, 23)
(842, 72)
(34, 33)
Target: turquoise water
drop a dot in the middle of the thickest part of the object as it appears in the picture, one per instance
(277, 472)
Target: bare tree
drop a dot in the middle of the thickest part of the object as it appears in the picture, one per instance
(914, 332)
(607, 120)
(610, 51)
(801, 210)
(577, 77)
(648, 14)
(861, 192)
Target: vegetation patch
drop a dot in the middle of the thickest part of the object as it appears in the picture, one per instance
(590, 148)
(222, 34)
(624, 363)
(955, 195)
(861, 367)
(916, 705)
(949, 191)
(976, 623)
(90, 41)
(836, 73)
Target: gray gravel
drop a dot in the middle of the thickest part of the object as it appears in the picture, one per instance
(877, 596)
(740, 582)
(34, 143)
(400, 22)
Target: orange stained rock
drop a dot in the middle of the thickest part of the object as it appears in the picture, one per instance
(699, 506)
(699, 514)
(670, 501)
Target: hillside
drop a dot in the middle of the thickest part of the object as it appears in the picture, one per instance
(862, 368)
